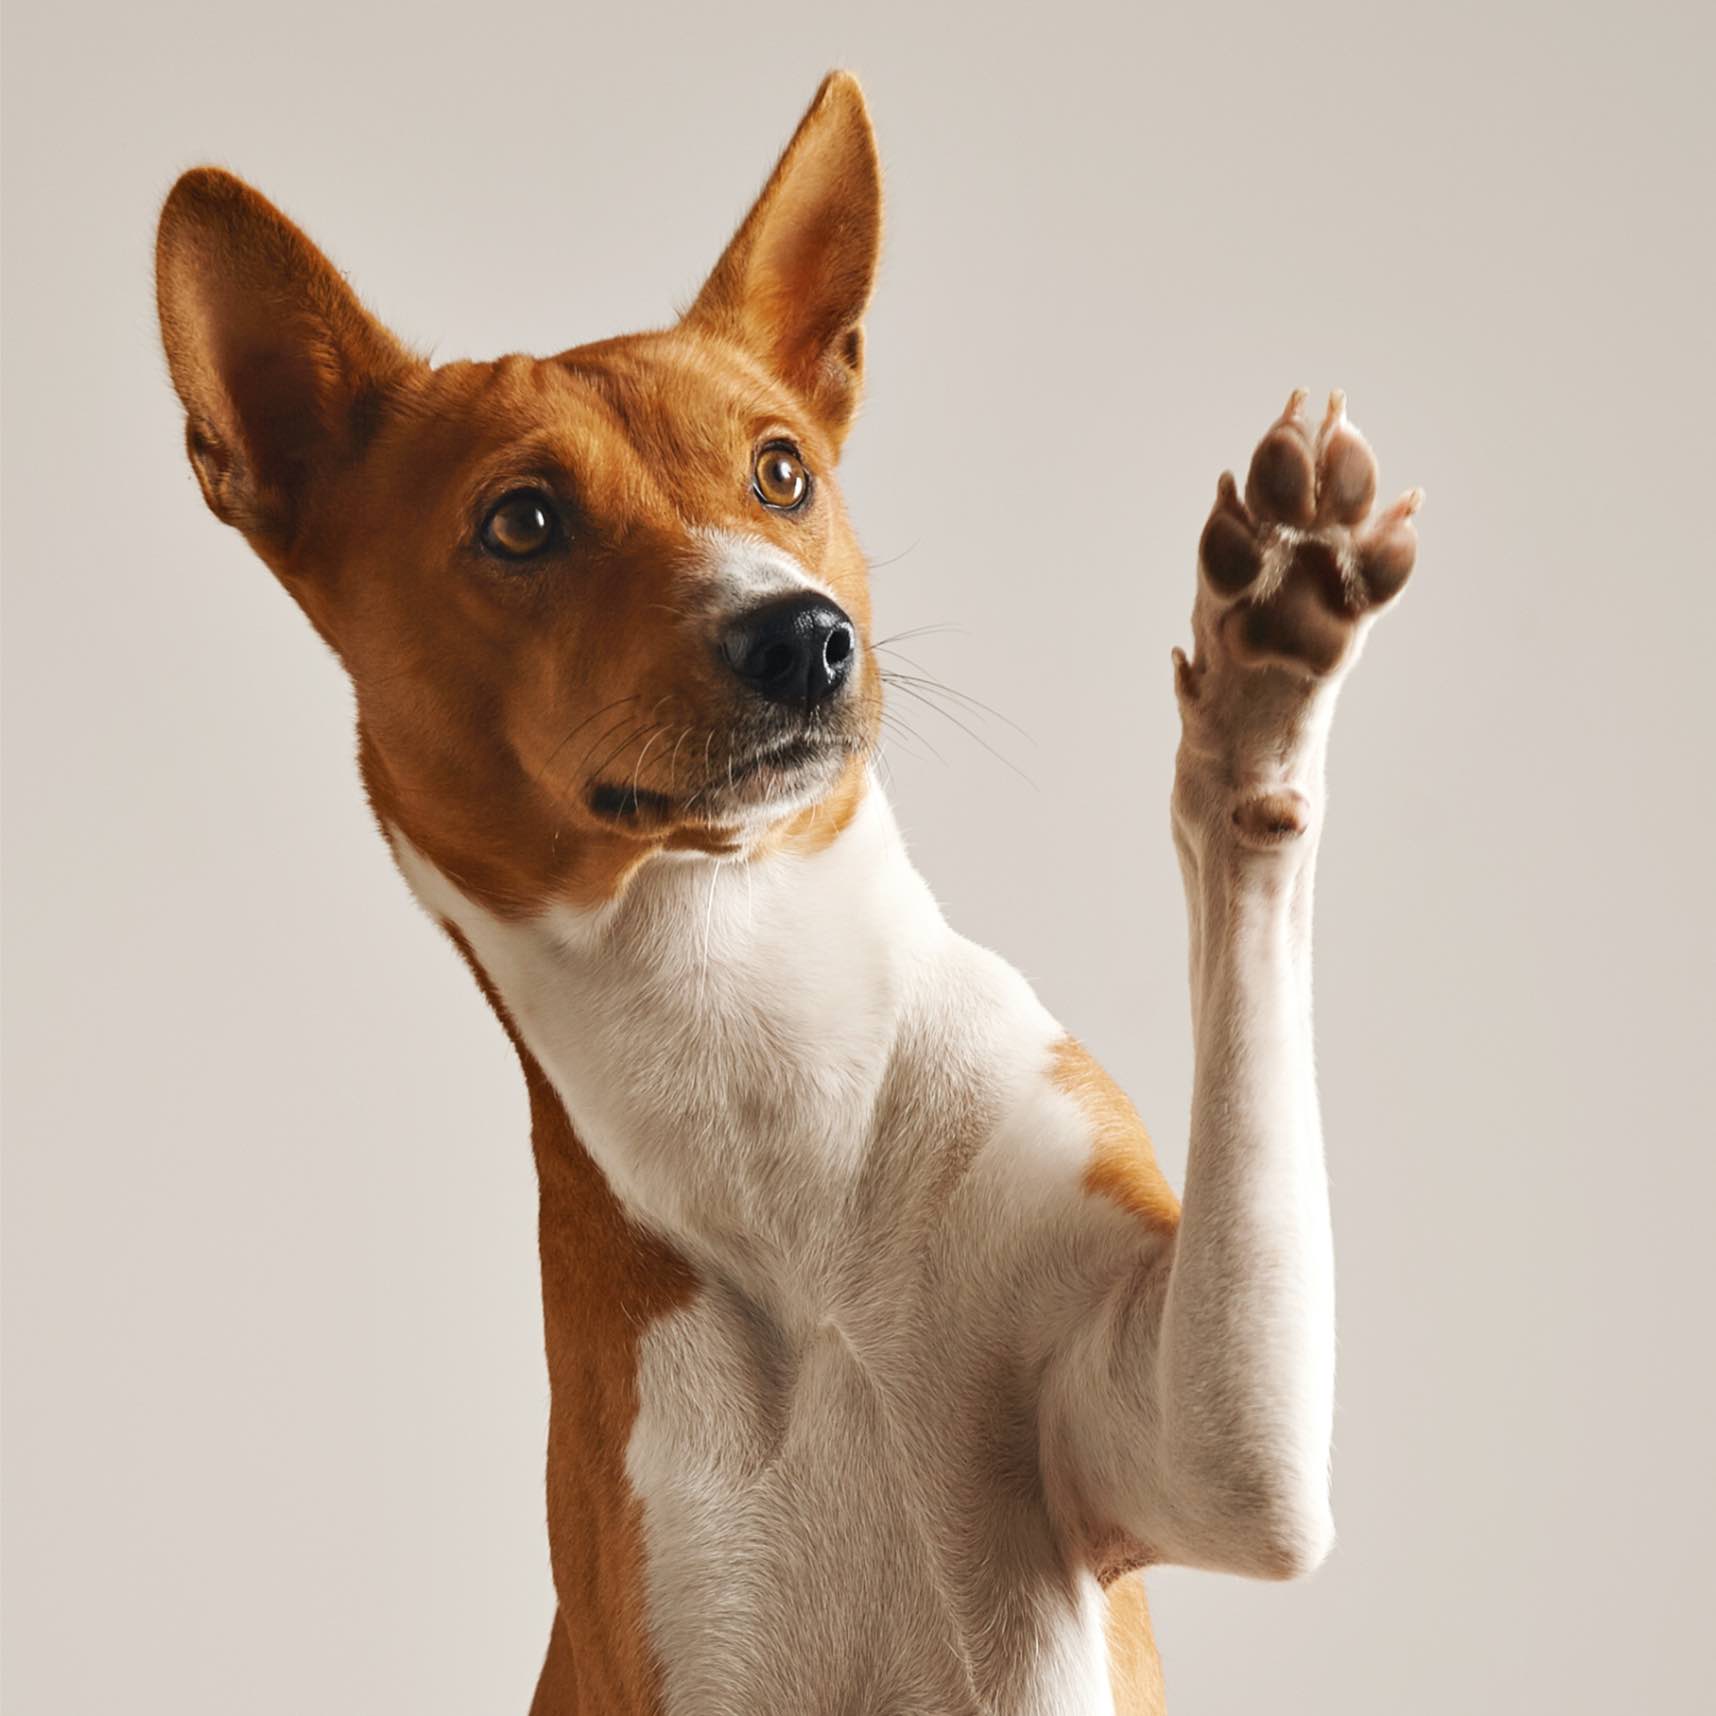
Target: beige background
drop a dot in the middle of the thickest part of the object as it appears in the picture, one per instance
(274, 1393)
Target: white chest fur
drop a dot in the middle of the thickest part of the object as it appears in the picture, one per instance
(838, 1110)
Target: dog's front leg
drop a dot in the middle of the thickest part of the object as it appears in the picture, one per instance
(1191, 1415)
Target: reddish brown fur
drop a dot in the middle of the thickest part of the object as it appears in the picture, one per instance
(491, 701)
(1122, 1169)
(1134, 1667)
(1122, 1161)
(604, 1281)
(603, 673)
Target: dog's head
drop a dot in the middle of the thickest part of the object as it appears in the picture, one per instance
(594, 606)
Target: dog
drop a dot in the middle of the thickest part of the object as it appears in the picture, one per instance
(882, 1356)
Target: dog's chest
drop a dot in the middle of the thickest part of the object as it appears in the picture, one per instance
(835, 1522)
(837, 1113)
(724, 1037)
(835, 1447)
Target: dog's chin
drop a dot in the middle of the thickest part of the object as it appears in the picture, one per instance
(756, 786)
(776, 779)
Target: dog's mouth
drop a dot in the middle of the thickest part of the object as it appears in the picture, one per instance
(781, 761)
(776, 771)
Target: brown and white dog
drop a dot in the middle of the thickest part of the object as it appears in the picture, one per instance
(882, 1356)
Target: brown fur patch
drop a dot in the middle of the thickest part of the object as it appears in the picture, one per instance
(1134, 1667)
(1122, 1162)
(1272, 818)
(604, 1281)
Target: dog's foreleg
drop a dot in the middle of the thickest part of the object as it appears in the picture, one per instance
(1245, 1355)
(1193, 1416)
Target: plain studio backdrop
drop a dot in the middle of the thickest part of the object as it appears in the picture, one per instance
(275, 1399)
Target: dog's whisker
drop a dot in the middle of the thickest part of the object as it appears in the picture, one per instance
(637, 768)
(628, 721)
(893, 559)
(977, 738)
(926, 682)
(894, 722)
(920, 632)
(673, 761)
(631, 738)
(549, 760)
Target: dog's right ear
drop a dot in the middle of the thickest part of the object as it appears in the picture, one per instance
(276, 362)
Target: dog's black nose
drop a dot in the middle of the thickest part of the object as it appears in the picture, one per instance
(796, 650)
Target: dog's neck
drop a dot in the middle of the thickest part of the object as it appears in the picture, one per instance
(720, 1034)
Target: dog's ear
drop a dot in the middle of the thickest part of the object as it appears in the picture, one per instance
(793, 285)
(276, 362)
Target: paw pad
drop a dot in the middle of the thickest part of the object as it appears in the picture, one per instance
(1272, 818)
(1294, 561)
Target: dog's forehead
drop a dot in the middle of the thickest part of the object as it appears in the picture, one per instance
(674, 380)
(659, 401)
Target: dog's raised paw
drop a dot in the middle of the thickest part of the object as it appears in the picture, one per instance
(1295, 564)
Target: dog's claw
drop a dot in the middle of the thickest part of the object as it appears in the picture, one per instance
(1333, 418)
(1185, 678)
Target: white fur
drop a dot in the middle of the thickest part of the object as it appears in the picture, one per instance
(924, 1364)
(741, 569)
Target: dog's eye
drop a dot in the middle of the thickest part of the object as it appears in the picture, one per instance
(780, 479)
(520, 525)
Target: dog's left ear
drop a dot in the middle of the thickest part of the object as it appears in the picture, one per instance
(793, 285)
